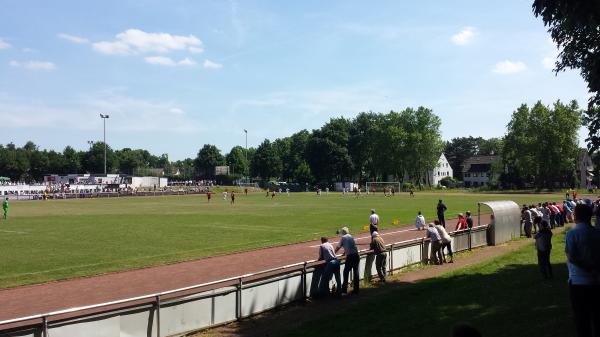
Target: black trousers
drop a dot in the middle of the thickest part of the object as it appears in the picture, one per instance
(442, 220)
(586, 311)
(544, 263)
(352, 262)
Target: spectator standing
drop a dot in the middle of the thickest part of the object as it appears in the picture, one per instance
(352, 260)
(373, 221)
(420, 221)
(527, 221)
(568, 211)
(446, 241)
(5, 208)
(436, 244)
(331, 267)
(378, 247)
(543, 245)
(546, 213)
(441, 209)
(581, 247)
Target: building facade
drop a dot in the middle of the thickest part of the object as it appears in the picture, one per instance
(441, 171)
(585, 167)
(478, 171)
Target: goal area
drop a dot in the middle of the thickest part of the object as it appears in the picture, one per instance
(382, 186)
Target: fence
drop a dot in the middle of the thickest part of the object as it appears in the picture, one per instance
(201, 306)
(82, 195)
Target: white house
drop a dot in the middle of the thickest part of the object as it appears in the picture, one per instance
(441, 171)
(585, 167)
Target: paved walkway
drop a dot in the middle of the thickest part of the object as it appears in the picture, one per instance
(37, 299)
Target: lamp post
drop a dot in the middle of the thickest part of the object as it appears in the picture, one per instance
(247, 163)
(104, 118)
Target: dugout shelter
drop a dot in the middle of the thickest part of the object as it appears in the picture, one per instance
(506, 225)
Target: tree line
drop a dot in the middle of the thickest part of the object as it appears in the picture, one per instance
(402, 146)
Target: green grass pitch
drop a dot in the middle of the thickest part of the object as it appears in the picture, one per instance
(59, 239)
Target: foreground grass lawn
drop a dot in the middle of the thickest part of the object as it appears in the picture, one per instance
(503, 297)
(58, 239)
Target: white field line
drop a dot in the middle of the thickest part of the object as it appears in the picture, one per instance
(14, 232)
(381, 234)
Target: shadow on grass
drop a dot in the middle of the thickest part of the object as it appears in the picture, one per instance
(500, 298)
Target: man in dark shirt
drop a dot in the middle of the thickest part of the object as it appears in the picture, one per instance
(441, 208)
(469, 220)
(378, 247)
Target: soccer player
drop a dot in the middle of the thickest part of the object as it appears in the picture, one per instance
(225, 195)
(208, 196)
(273, 194)
(5, 207)
(232, 197)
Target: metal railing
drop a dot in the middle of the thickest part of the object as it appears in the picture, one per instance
(152, 303)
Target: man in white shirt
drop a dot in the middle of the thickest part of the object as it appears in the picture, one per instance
(446, 241)
(373, 221)
(436, 244)
(420, 221)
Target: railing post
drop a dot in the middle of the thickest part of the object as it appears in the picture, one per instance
(391, 259)
(238, 303)
(45, 327)
(422, 250)
(304, 281)
(157, 315)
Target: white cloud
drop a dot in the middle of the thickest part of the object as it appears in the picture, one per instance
(127, 114)
(196, 50)
(548, 62)
(33, 65)
(137, 41)
(509, 67)
(112, 48)
(160, 60)
(463, 37)
(73, 38)
(167, 61)
(4, 44)
(187, 62)
(211, 65)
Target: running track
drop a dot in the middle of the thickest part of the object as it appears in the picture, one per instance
(37, 299)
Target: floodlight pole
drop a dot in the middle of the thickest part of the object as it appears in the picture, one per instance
(247, 163)
(104, 118)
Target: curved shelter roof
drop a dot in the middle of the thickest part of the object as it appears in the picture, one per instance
(507, 221)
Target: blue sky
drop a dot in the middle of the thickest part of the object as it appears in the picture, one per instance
(176, 75)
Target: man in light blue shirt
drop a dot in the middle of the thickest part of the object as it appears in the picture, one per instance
(331, 267)
(582, 247)
(352, 260)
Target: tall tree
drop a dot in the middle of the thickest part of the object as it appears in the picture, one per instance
(72, 160)
(266, 162)
(207, 159)
(574, 25)
(236, 159)
(540, 147)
